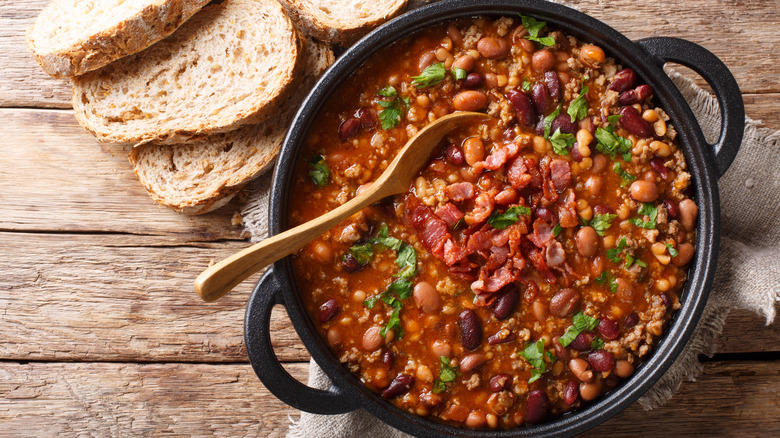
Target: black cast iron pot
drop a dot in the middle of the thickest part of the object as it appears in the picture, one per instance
(705, 162)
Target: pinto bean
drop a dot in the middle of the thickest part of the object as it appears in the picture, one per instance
(472, 80)
(476, 419)
(372, 338)
(524, 110)
(592, 56)
(623, 368)
(493, 48)
(470, 329)
(464, 62)
(599, 163)
(507, 196)
(540, 310)
(601, 361)
(633, 122)
(541, 98)
(472, 362)
(537, 406)
(328, 310)
(473, 150)
(399, 386)
(594, 185)
(579, 367)
(469, 100)
(623, 80)
(441, 348)
(426, 297)
(589, 391)
(454, 34)
(430, 399)
(625, 291)
(684, 254)
(587, 241)
(426, 60)
(506, 303)
(643, 191)
(688, 212)
(542, 60)
(565, 302)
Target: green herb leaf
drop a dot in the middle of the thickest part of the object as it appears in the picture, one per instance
(393, 108)
(610, 143)
(319, 172)
(640, 263)
(401, 286)
(369, 302)
(612, 254)
(432, 75)
(627, 177)
(526, 85)
(394, 323)
(545, 41)
(557, 229)
(607, 279)
(388, 91)
(407, 256)
(629, 261)
(580, 323)
(672, 252)
(459, 73)
(532, 25)
(561, 143)
(362, 253)
(390, 116)
(447, 373)
(534, 354)
(639, 223)
(500, 221)
(438, 387)
(549, 119)
(649, 210)
(578, 108)
(596, 344)
(602, 222)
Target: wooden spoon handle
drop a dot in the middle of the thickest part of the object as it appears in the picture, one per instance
(220, 278)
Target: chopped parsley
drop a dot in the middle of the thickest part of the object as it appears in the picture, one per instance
(548, 121)
(393, 107)
(533, 27)
(627, 177)
(612, 254)
(500, 221)
(362, 253)
(526, 85)
(438, 387)
(534, 353)
(630, 260)
(602, 222)
(580, 323)
(557, 229)
(319, 172)
(610, 143)
(369, 302)
(578, 108)
(596, 344)
(432, 75)
(607, 279)
(561, 142)
(447, 373)
(649, 210)
(459, 73)
(394, 323)
(672, 252)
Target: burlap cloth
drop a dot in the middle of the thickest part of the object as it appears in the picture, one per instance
(748, 274)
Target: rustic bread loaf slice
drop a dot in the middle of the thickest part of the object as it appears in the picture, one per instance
(341, 21)
(72, 37)
(225, 67)
(200, 177)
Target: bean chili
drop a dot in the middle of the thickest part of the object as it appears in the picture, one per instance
(535, 259)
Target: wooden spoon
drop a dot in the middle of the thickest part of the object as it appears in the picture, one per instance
(220, 278)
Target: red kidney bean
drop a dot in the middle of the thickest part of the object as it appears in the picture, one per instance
(506, 303)
(328, 310)
(609, 329)
(587, 123)
(469, 101)
(399, 386)
(563, 122)
(537, 406)
(541, 98)
(543, 213)
(349, 128)
(388, 358)
(623, 80)
(658, 165)
(582, 341)
(631, 320)
(498, 338)
(601, 361)
(470, 329)
(350, 264)
(500, 382)
(367, 118)
(671, 208)
(454, 155)
(553, 84)
(571, 392)
(472, 80)
(636, 95)
(524, 110)
(603, 209)
(575, 153)
(667, 301)
(560, 351)
(565, 302)
(633, 122)
(493, 48)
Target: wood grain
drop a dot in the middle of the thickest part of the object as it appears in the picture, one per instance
(731, 30)
(114, 399)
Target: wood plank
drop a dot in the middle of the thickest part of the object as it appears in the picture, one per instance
(729, 399)
(55, 176)
(718, 26)
(121, 298)
(130, 298)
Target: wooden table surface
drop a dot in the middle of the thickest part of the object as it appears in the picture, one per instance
(102, 334)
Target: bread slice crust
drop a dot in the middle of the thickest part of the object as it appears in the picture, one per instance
(321, 20)
(200, 177)
(226, 67)
(61, 54)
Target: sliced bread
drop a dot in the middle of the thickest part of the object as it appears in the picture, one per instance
(72, 37)
(341, 21)
(200, 177)
(225, 67)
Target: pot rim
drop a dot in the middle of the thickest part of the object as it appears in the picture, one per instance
(690, 138)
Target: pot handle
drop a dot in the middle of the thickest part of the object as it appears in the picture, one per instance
(718, 76)
(257, 337)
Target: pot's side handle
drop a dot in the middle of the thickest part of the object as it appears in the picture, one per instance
(718, 76)
(257, 336)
